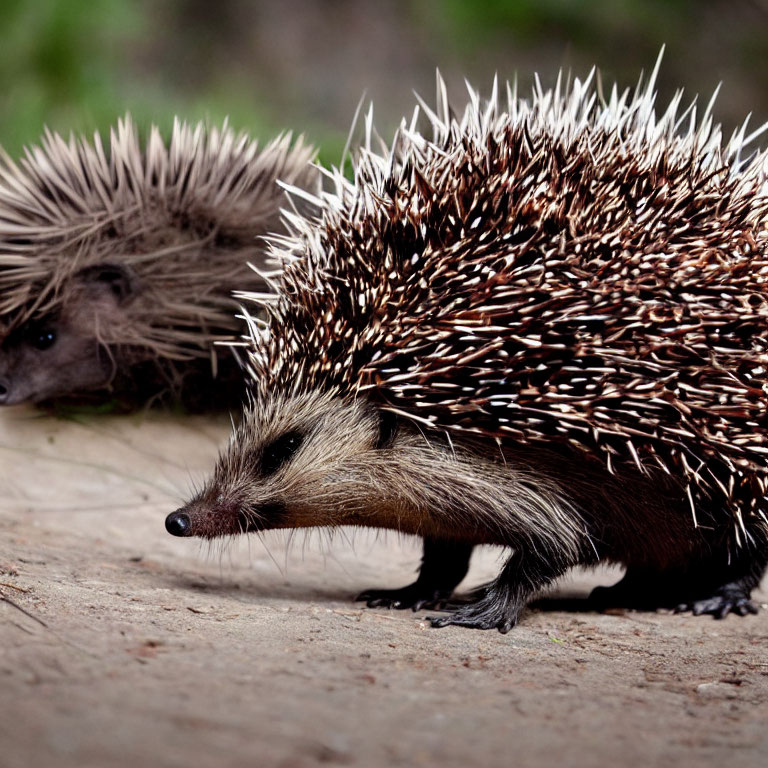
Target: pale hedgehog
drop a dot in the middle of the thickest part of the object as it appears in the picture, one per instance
(544, 328)
(118, 264)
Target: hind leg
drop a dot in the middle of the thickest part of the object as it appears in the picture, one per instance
(722, 588)
(713, 586)
(443, 565)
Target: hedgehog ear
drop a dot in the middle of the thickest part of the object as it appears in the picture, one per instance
(115, 280)
(388, 426)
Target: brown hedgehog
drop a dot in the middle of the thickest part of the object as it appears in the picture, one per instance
(117, 266)
(544, 328)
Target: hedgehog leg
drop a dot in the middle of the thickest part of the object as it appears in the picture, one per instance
(706, 588)
(719, 589)
(733, 597)
(499, 604)
(443, 565)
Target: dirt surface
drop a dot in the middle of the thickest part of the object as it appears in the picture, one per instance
(122, 646)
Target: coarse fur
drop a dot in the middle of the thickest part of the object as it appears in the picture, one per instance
(543, 328)
(118, 264)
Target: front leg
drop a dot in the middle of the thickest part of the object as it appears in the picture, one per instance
(499, 604)
(443, 565)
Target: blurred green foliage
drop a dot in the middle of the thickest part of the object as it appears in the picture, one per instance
(77, 65)
(585, 23)
(57, 65)
(74, 66)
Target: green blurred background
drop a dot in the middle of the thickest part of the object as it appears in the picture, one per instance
(304, 64)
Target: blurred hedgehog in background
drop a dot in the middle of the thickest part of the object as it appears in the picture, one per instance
(118, 264)
(544, 328)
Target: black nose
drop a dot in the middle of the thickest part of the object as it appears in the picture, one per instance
(178, 524)
(5, 389)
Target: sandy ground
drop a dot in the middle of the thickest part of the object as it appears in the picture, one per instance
(121, 646)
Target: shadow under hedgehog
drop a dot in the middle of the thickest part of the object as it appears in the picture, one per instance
(543, 328)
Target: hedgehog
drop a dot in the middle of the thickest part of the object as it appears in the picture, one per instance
(539, 325)
(117, 266)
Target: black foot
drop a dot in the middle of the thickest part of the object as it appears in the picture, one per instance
(480, 615)
(730, 598)
(443, 566)
(413, 596)
(695, 590)
(485, 608)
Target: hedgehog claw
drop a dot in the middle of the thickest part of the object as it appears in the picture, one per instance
(413, 596)
(733, 597)
(489, 612)
(719, 606)
(649, 590)
(474, 621)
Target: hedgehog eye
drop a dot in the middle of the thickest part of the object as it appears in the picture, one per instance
(41, 338)
(279, 451)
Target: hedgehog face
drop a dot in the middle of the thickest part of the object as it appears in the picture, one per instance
(46, 358)
(63, 353)
(307, 461)
(317, 460)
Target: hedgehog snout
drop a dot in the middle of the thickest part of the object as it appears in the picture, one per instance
(5, 390)
(178, 523)
(220, 516)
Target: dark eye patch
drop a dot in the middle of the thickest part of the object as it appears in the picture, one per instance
(279, 451)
